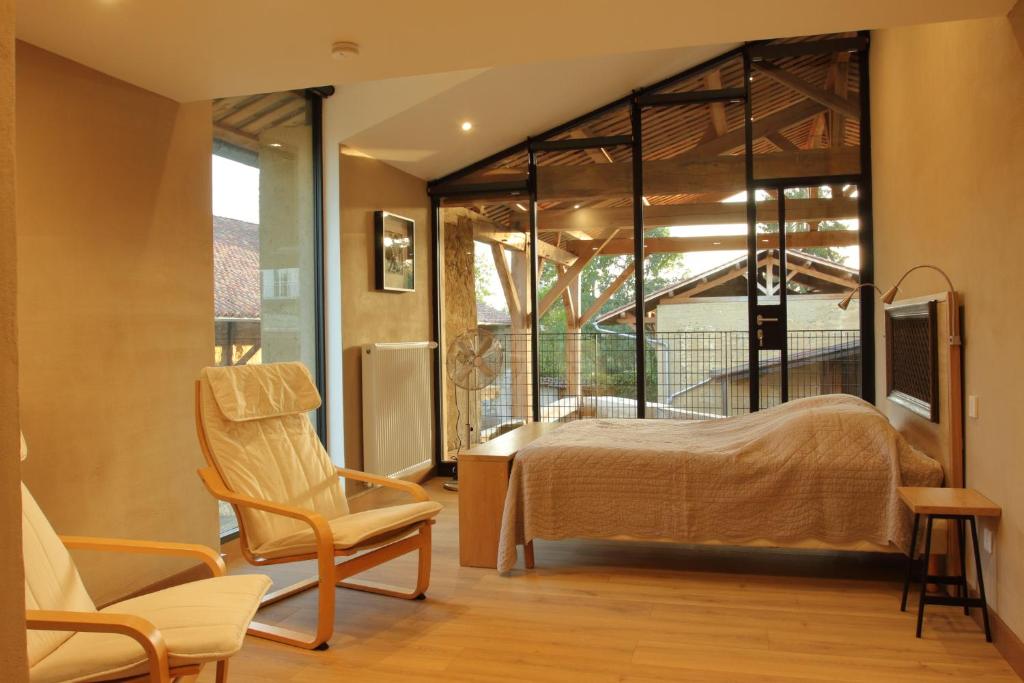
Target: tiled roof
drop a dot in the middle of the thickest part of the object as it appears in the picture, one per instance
(488, 315)
(236, 268)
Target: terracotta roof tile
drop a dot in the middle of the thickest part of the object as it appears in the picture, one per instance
(236, 268)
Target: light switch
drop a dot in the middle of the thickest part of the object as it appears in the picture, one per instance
(972, 406)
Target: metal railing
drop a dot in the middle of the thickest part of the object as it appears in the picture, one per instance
(689, 375)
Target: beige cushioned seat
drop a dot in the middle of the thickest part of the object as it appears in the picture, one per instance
(201, 621)
(353, 529)
(263, 446)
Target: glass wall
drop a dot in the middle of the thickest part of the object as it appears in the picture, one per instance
(585, 234)
(739, 299)
(265, 243)
(695, 249)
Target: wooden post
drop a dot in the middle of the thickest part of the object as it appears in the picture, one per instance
(572, 340)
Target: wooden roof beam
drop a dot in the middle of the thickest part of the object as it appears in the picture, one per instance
(607, 294)
(713, 81)
(677, 245)
(586, 255)
(238, 117)
(236, 137)
(812, 92)
(688, 175)
(571, 222)
(508, 287)
(784, 118)
(599, 155)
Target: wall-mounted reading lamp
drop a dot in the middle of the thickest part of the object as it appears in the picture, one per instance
(845, 303)
(954, 312)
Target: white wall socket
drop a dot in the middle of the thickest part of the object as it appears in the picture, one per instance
(972, 406)
(986, 540)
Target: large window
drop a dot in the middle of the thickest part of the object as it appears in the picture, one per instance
(680, 253)
(266, 235)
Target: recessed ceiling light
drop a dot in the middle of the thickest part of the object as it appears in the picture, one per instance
(344, 49)
(575, 206)
(520, 206)
(647, 202)
(275, 144)
(467, 126)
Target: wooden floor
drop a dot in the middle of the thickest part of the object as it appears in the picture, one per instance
(608, 611)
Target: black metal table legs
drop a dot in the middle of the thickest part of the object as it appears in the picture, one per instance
(962, 598)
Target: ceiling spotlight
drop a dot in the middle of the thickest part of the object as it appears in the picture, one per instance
(520, 206)
(467, 126)
(344, 48)
(275, 144)
(575, 206)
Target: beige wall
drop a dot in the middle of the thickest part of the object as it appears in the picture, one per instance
(115, 290)
(948, 121)
(12, 604)
(368, 315)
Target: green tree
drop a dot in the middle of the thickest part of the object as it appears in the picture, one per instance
(660, 270)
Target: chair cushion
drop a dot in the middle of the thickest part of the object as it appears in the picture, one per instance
(352, 529)
(256, 392)
(278, 459)
(202, 621)
(51, 580)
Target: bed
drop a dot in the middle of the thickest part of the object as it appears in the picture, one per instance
(824, 468)
(819, 472)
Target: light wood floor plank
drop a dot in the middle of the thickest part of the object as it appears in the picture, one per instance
(625, 612)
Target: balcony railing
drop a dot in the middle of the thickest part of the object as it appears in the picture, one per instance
(689, 375)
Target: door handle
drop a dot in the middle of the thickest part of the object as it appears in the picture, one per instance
(761, 320)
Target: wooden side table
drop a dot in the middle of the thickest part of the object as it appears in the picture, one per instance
(483, 482)
(962, 506)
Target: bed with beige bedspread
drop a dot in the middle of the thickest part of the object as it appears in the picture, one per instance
(823, 468)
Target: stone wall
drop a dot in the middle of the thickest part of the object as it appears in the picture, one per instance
(459, 314)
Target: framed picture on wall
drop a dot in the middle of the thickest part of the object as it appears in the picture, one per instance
(394, 252)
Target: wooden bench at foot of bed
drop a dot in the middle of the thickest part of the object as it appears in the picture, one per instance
(483, 482)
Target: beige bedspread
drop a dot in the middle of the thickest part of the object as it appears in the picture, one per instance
(823, 468)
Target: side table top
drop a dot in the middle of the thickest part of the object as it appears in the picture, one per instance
(925, 500)
(507, 445)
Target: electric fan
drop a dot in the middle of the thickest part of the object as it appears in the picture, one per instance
(474, 361)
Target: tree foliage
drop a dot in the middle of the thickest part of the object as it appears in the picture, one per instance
(660, 270)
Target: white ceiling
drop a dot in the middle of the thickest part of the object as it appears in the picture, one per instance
(200, 49)
(414, 122)
(513, 68)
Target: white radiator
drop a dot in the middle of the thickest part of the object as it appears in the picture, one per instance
(398, 425)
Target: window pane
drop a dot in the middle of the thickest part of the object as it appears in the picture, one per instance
(263, 229)
(806, 115)
(823, 265)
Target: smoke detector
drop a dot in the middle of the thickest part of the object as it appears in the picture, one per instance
(344, 48)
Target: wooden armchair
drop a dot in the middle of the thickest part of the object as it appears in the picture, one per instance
(265, 459)
(156, 637)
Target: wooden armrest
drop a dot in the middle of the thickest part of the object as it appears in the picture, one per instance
(415, 490)
(208, 556)
(321, 529)
(137, 628)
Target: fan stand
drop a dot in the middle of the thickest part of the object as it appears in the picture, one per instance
(453, 485)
